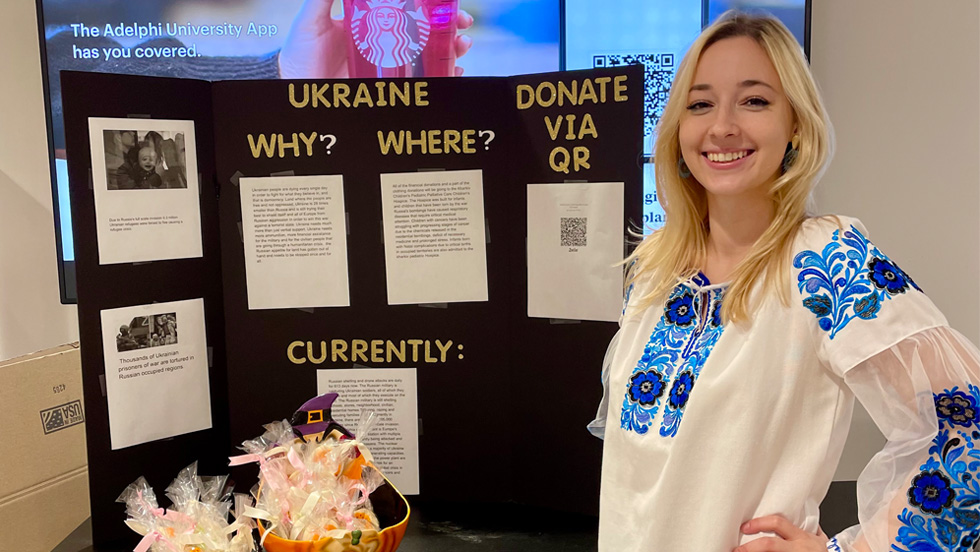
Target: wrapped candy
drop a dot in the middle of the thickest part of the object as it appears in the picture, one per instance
(197, 521)
(315, 477)
(316, 482)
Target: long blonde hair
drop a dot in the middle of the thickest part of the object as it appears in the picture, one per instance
(678, 249)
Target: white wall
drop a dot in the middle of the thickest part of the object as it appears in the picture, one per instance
(31, 314)
(901, 79)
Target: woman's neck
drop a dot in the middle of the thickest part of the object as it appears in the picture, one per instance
(734, 224)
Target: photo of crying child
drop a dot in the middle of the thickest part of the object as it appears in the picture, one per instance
(144, 159)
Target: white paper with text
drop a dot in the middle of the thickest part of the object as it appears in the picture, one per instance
(435, 238)
(391, 393)
(574, 244)
(146, 186)
(295, 234)
(156, 371)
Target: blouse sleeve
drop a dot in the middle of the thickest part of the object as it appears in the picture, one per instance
(597, 427)
(922, 491)
(877, 331)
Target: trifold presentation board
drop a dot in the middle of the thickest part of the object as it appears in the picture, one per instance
(441, 252)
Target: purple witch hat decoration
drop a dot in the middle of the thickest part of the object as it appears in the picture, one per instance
(313, 419)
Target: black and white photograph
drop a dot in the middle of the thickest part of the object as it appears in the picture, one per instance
(144, 332)
(158, 157)
(144, 159)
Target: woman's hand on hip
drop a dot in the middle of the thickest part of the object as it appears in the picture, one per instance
(789, 538)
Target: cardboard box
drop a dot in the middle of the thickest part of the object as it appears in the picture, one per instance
(43, 464)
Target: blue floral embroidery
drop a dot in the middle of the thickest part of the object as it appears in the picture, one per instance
(849, 279)
(833, 546)
(681, 390)
(957, 407)
(680, 310)
(694, 357)
(646, 387)
(885, 275)
(931, 492)
(944, 497)
(716, 314)
(681, 342)
(659, 356)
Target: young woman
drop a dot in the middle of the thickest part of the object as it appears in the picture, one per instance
(750, 327)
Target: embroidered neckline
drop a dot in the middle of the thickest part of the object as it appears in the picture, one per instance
(700, 282)
(669, 366)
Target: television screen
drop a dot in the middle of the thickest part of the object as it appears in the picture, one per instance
(795, 14)
(656, 35)
(262, 39)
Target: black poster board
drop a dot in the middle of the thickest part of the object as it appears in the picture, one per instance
(502, 417)
(122, 285)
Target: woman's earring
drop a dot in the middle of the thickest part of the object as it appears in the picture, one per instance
(792, 152)
(682, 168)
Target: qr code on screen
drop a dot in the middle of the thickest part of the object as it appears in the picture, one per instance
(573, 231)
(658, 73)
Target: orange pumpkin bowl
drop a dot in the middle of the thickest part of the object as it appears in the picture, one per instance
(392, 510)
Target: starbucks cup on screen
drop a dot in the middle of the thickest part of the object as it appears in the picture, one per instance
(401, 38)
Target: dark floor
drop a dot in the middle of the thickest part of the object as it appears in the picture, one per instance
(445, 528)
(436, 527)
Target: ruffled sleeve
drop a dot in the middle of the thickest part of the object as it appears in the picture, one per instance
(922, 491)
(597, 427)
(876, 330)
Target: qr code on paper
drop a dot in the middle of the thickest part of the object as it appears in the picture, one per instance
(658, 73)
(573, 231)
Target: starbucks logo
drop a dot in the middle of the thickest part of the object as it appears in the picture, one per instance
(384, 32)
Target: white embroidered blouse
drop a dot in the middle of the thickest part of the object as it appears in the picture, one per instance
(711, 424)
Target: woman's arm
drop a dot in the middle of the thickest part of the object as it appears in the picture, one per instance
(921, 492)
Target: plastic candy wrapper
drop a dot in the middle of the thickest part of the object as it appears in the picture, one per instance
(198, 520)
(315, 477)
